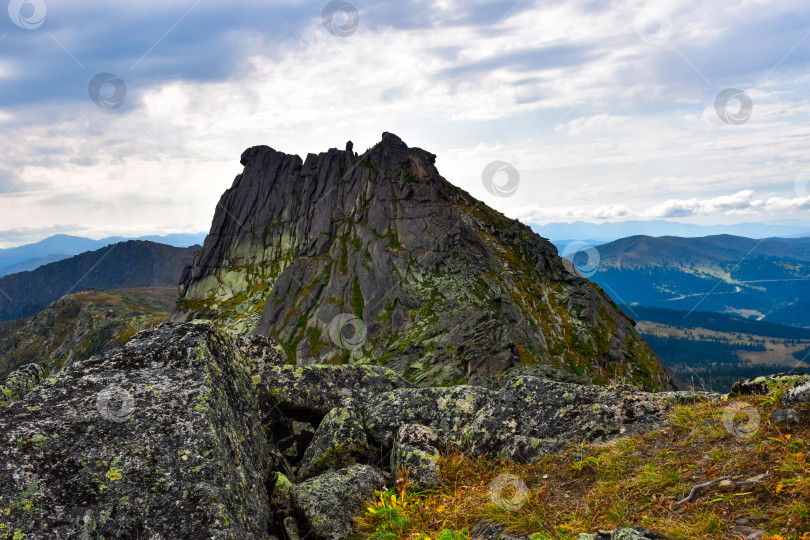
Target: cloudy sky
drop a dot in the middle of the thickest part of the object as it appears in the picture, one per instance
(607, 110)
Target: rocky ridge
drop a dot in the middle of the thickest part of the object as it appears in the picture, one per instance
(190, 431)
(377, 259)
(131, 264)
(80, 325)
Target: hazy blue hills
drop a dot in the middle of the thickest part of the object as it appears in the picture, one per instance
(768, 279)
(563, 233)
(713, 350)
(130, 264)
(61, 246)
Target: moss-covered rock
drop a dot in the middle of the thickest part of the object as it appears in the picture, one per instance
(624, 533)
(159, 438)
(19, 383)
(307, 391)
(329, 501)
(416, 452)
(445, 410)
(530, 417)
(792, 387)
(340, 441)
(281, 490)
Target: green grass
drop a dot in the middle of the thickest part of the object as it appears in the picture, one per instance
(635, 481)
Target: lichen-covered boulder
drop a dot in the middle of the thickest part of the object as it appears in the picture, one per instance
(281, 490)
(531, 417)
(313, 391)
(795, 385)
(416, 451)
(19, 383)
(797, 392)
(340, 441)
(785, 416)
(329, 501)
(690, 396)
(625, 533)
(160, 438)
(445, 410)
(487, 530)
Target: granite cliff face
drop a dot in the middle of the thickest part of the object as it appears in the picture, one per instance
(377, 259)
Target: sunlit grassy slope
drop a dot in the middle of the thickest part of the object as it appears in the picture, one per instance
(636, 481)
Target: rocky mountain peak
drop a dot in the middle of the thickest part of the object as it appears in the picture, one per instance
(377, 259)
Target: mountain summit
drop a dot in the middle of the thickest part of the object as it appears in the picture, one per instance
(377, 259)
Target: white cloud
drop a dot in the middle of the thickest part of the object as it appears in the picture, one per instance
(538, 214)
(600, 124)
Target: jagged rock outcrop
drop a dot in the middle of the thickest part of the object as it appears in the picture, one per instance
(376, 258)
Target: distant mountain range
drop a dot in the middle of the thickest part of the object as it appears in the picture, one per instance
(130, 264)
(63, 246)
(597, 233)
(767, 279)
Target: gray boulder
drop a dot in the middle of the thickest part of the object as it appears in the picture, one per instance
(309, 391)
(797, 392)
(625, 533)
(340, 441)
(531, 417)
(445, 410)
(795, 384)
(329, 501)
(785, 416)
(416, 451)
(486, 530)
(158, 439)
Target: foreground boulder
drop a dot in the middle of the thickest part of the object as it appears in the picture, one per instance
(445, 410)
(189, 431)
(531, 417)
(328, 502)
(625, 533)
(416, 452)
(158, 439)
(795, 387)
(307, 391)
(340, 441)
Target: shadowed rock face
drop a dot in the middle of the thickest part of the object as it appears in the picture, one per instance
(448, 290)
